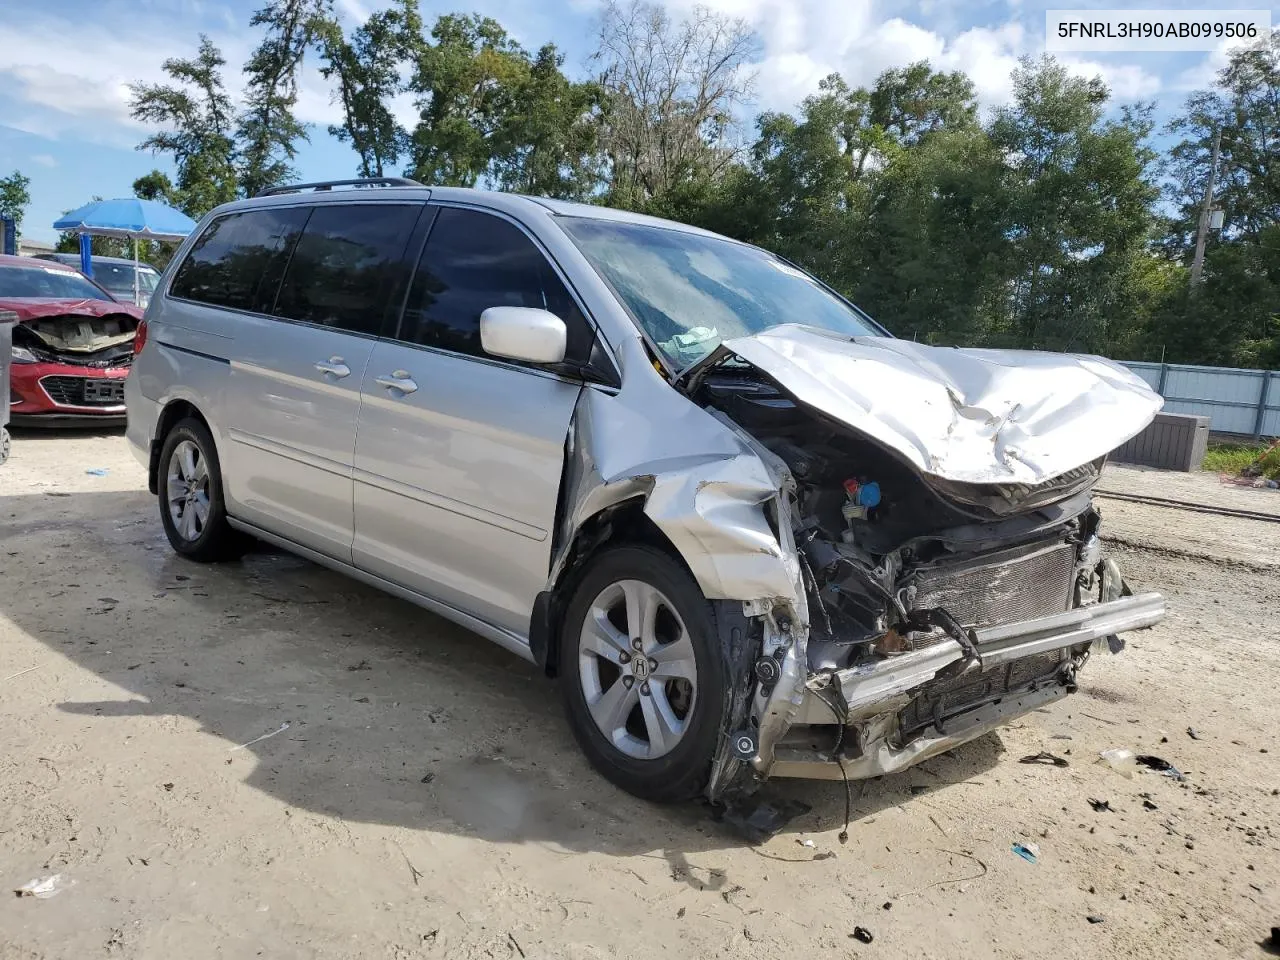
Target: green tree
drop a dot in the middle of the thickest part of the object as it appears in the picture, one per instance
(911, 102)
(197, 122)
(466, 87)
(366, 73)
(1244, 107)
(15, 197)
(547, 145)
(1233, 318)
(1080, 202)
(936, 254)
(156, 185)
(268, 131)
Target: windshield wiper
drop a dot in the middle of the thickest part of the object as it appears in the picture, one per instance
(690, 378)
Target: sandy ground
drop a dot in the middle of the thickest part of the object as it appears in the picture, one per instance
(426, 800)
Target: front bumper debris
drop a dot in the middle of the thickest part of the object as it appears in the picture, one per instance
(870, 697)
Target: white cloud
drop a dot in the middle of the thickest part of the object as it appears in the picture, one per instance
(44, 160)
(1127, 81)
(74, 77)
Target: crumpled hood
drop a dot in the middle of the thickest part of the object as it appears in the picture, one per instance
(971, 416)
(32, 308)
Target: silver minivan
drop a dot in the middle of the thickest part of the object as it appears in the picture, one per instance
(750, 532)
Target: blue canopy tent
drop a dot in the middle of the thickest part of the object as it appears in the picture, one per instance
(128, 218)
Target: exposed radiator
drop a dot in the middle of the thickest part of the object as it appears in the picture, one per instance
(1000, 588)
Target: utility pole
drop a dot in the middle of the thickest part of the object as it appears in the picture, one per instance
(1197, 262)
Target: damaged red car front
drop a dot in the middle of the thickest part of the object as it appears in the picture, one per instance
(72, 345)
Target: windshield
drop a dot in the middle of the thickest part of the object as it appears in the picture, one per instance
(689, 292)
(46, 283)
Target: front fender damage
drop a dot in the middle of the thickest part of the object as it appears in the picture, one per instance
(723, 501)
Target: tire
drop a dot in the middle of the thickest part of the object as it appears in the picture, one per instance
(664, 724)
(197, 527)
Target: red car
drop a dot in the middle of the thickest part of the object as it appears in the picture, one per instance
(72, 345)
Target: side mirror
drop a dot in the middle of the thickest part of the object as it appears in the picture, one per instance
(523, 333)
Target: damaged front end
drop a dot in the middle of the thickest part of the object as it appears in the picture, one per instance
(951, 568)
(898, 541)
(78, 339)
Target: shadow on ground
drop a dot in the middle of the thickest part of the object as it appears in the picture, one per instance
(394, 716)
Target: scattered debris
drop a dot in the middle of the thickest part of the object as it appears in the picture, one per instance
(168, 787)
(680, 913)
(283, 727)
(1027, 851)
(862, 935)
(97, 471)
(1045, 757)
(1193, 733)
(806, 843)
(14, 676)
(755, 818)
(1101, 806)
(414, 872)
(1120, 760)
(44, 887)
(1161, 765)
(1094, 918)
(427, 778)
(362, 665)
(968, 855)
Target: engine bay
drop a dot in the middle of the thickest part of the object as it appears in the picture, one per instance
(892, 560)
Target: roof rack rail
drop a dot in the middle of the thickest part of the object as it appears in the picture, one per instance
(322, 185)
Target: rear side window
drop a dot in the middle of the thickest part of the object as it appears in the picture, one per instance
(238, 259)
(473, 261)
(348, 265)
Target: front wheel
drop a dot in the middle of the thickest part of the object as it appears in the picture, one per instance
(643, 685)
(192, 510)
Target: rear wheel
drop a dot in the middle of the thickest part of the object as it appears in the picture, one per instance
(642, 682)
(191, 506)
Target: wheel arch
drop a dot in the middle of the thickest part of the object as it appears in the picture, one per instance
(173, 413)
(620, 523)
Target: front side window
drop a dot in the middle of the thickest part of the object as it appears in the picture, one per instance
(473, 261)
(46, 283)
(690, 291)
(237, 261)
(348, 265)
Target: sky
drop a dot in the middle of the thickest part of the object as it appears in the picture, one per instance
(66, 65)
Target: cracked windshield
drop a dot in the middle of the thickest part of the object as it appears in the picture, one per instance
(691, 292)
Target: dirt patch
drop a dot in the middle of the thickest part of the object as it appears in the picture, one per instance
(406, 789)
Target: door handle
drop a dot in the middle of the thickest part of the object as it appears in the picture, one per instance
(333, 366)
(400, 380)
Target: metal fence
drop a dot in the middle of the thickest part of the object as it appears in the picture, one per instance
(1235, 401)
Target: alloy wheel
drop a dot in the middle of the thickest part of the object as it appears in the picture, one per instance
(188, 490)
(637, 669)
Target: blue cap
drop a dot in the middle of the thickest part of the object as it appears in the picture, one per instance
(869, 495)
